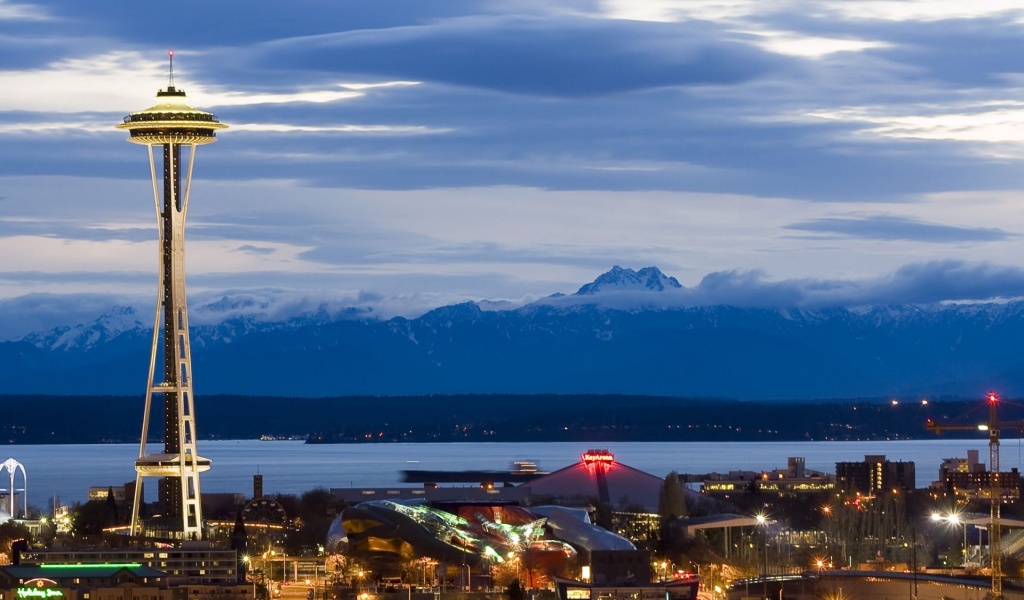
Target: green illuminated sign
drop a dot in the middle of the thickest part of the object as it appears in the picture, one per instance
(30, 592)
(92, 566)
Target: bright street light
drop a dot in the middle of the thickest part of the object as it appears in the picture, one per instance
(955, 520)
(763, 521)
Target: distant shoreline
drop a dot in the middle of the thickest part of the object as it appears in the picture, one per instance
(493, 418)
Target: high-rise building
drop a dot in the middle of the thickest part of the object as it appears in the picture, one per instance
(165, 129)
(875, 474)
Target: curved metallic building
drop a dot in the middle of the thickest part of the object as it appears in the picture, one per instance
(470, 534)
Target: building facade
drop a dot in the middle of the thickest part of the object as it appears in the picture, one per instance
(875, 474)
(124, 581)
(192, 564)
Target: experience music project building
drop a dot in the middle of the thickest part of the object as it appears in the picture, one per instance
(546, 523)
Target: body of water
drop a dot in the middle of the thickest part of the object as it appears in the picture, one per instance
(68, 471)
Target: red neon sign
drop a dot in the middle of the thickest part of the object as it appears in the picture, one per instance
(597, 456)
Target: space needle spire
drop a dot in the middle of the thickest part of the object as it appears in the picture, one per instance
(165, 129)
(170, 69)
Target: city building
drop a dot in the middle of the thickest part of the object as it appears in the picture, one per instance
(619, 567)
(626, 575)
(683, 589)
(165, 129)
(968, 478)
(101, 493)
(794, 479)
(971, 464)
(127, 581)
(194, 563)
(874, 474)
(978, 485)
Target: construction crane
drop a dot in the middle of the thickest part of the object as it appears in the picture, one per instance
(995, 485)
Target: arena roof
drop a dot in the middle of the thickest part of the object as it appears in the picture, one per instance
(599, 475)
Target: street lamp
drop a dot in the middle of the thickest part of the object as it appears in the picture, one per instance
(955, 520)
(246, 561)
(762, 521)
(513, 558)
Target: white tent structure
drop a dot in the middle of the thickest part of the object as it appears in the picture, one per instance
(12, 466)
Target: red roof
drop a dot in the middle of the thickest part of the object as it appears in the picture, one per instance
(608, 481)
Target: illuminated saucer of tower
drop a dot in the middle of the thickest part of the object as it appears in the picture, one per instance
(171, 121)
(170, 125)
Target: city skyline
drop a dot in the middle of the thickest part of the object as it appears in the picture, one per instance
(405, 155)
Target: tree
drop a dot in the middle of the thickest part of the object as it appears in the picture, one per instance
(671, 506)
(515, 591)
(91, 518)
(316, 510)
(672, 499)
(239, 543)
(112, 505)
(10, 533)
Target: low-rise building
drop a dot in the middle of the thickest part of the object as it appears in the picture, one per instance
(794, 479)
(980, 485)
(124, 581)
(669, 590)
(968, 478)
(194, 563)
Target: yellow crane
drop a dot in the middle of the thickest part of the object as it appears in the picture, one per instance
(995, 488)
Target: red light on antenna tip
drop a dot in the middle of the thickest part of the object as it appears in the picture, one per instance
(992, 398)
(170, 53)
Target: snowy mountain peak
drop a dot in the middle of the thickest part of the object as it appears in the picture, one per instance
(619, 279)
(109, 325)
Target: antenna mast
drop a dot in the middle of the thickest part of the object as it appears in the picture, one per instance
(170, 69)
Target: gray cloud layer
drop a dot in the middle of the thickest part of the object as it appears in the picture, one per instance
(851, 149)
(884, 227)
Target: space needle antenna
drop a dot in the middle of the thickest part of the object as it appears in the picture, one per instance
(170, 69)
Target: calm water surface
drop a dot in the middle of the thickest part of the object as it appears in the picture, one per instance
(67, 471)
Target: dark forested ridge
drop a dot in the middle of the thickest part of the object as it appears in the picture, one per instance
(505, 418)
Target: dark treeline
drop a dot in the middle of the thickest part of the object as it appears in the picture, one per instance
(94, 419)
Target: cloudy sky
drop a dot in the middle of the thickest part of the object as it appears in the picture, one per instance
(410, 153)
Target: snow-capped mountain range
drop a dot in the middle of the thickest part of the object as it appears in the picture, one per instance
(626, 332)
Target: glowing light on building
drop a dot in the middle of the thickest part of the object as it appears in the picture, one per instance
(597, 456)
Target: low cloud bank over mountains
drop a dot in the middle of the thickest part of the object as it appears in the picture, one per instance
(627, 332)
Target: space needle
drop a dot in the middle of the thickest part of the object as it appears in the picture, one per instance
(165, 129)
